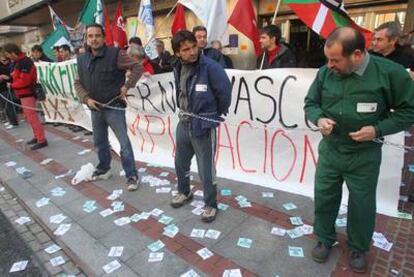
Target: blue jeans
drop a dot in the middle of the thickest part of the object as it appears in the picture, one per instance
(115, 119)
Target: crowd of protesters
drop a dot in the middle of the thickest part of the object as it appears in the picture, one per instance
(346, 153)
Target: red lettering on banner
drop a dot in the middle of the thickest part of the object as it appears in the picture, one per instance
(305, 155)
(219, 145)
(272, 155)
(170, 134)
(265, 149)
(238, 148)
(135, 126)
(150, 134)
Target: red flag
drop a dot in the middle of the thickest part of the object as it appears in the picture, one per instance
(243, 19)
(118, 28)
(324, 16)
(179, 20)
(108, 29)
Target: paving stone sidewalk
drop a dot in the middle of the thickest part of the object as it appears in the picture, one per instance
(91, 236)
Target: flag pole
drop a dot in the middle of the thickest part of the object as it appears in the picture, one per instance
(162, 23)
(273, 22)
(276, 11)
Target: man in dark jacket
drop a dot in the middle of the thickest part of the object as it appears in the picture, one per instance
(200, 33)
(385, 43)
(101, 85)
(23, 80)
(275, 54)
(203, 93)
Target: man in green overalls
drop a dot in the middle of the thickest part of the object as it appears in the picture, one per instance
(354, 99)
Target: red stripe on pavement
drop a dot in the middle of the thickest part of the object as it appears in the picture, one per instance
(180, 245)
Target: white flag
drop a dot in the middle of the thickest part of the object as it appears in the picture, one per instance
(145, 17)
(213, 15)
(56, 21)
(99, 16)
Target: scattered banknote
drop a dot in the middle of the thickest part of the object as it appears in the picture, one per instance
(278, 231)
(289, 206)
(212, 234)
(268, 195)
(122, 221)
(244, 242)
(42, 202)
(57, 219)
(232, 273)
(198, 233)
(204, 253)
(57, 261)
(155, 257)
(62, 229)
(52, 249)
(111, 267)
(156, 246)
(296, 252)
(190, 273)
(23, 220)
(18, 266)
(296, 220)
(225, 192)
(116, 251)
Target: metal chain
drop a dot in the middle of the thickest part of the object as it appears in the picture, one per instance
(108, 106)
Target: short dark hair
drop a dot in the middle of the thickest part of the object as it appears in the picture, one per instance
(38, 48)
(135, 40)
(393, 29)
(95, 25)
(350, 39)
(180, 37)
(12, 48)
(272, 31)
(65, 47)
(199, 28)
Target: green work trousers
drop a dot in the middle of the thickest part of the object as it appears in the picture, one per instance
(359, 169)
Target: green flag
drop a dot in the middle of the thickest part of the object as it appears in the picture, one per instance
(58, 37)
(92, 12)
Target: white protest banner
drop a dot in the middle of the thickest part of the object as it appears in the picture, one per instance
(265, 139)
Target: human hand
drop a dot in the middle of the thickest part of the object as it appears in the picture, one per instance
(366, 133)
(326, 126)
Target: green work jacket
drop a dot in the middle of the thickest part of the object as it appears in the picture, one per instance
(383, 96)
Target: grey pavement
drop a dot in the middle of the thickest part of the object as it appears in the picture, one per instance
(91, 236)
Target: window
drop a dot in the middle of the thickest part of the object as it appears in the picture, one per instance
(386, 17)
(359, 20)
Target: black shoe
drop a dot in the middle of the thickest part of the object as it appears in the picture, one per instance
(320, 252)
(39, 145)
(32, 141)
(358, 262)
(100, 175)
(133, 183)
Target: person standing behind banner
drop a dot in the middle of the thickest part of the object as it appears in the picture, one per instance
(101, 85)
(202, 88)
(24, 78)
(385, 44)
(200, 32)
(38, 55)
(164, 59)
(7, 110)
(275, 54)
(216, 44)
(65, 52)
(354, 99)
